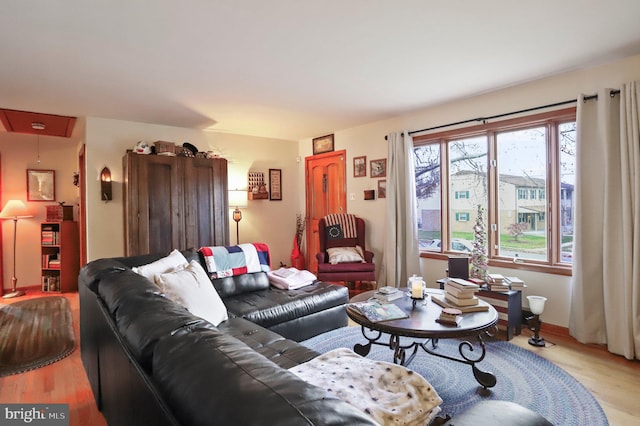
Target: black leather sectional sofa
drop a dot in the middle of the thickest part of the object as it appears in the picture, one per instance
(150, 362)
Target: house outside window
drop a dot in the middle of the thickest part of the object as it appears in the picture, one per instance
(521, 171)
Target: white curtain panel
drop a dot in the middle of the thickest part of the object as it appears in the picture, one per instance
(401, 256)
(605, 303)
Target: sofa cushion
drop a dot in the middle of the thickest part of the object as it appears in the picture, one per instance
(192, 288)
(284, 352)
(209, 377)
(273, 306)
(172, 262)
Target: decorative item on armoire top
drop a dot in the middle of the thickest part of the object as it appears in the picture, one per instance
(142, 147)
(360, 166)
(379, 168)
(165, 148)
(323, 144)
(41, 185)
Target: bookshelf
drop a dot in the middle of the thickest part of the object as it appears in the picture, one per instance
(60, 263)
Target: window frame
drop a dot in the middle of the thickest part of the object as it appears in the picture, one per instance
(551, 120)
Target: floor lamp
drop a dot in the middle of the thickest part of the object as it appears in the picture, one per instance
(14, 210)
(237, 199)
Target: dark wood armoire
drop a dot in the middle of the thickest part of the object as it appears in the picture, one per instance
(174, 202)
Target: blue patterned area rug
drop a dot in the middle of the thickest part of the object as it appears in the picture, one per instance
(522, 377)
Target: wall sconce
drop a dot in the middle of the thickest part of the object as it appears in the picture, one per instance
(536, 304)
(237, 200)
(106, 191)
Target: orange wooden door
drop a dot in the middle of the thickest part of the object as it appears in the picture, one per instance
(326, 192)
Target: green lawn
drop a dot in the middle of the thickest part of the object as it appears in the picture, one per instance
(507, 241)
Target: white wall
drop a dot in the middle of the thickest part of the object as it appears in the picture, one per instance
(19, 153)
(369, 140)
(272, 222)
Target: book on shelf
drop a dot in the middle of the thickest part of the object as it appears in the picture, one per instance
(376, 311)
(388, 297)
(462, 284)
(440, 300)
(460, 302)
(460, 292)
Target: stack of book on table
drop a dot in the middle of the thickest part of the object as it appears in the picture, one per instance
(460, 294)
(515, 283)
(388, 294)
(450, 316)
(496, 282)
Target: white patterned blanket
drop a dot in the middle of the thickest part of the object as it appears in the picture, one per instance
(391, 394)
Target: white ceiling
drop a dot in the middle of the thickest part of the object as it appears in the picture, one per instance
(291, 69)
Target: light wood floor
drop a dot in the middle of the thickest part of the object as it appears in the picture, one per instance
(613, 380)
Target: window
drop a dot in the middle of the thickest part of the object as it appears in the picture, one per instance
(521, 171)
(462, 217)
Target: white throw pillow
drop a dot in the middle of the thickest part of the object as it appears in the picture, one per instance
(345, 255)
(192, 288)
(174, 261)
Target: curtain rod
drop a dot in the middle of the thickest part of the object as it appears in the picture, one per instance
(506, 114)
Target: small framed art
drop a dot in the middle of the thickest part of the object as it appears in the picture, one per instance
(41, 185)
(382, 188)
(378, 168)
(360, 166)
(323, 144)
(369, 194)
(275, 184)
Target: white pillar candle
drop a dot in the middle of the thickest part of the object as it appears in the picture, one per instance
(416, 289)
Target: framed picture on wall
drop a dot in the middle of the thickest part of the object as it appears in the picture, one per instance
(379, 168)
(323, 144)
(360, 166)
(41, 185)
(382, 188)
(275, 184)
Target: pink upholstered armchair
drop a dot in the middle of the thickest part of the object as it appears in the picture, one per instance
(345, 231)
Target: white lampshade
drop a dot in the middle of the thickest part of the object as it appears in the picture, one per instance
(238, 198)
(536, 304)
(15, 209)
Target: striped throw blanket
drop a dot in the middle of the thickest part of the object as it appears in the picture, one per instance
(229, 261)
(341, 225)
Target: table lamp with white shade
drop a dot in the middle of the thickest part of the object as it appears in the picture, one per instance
(14, 210)
(536, 304)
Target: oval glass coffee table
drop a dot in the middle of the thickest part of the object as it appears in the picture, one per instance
(421, 324)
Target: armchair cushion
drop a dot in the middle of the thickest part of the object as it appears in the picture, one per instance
(345, 254)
